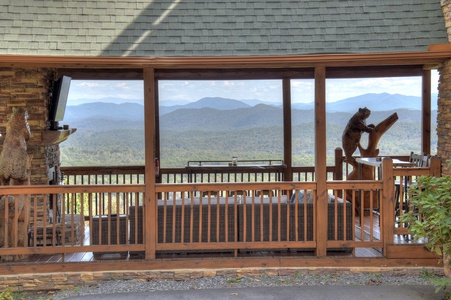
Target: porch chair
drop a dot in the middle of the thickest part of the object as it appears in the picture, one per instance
(420, 161)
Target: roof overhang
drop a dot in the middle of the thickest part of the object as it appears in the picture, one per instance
(432, 58)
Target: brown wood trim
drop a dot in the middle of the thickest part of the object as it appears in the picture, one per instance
(320, 160)
(437, 54)
(409, 251)
(78, 170)
(234, 245)
(150, 203)
(200, 263)
(70, 249)
(439, 47)
(243, 74)
(374, 71)
(233, 74)
(57, 189)
(351, 244)
(99, 74)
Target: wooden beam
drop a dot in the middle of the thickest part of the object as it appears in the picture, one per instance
(436, 55)
(303, 264)
(287, 129)
(320, 161)
(102, 74)
(439, 47)
(157, 150)
(412, 251)
(243, 74)
(374, 71)
(426, 112)
(233, 74)
(150, 203)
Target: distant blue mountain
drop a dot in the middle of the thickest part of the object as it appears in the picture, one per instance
(134, 112)
(217, 103)
(378, 102)
(101, 110)
(113, 100)
(207, 102)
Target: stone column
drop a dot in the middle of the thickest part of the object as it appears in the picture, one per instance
(444, 99)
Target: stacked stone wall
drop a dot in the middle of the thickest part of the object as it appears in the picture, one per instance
(66, 280)
(444, 100)
(30, 89)
(444, 117)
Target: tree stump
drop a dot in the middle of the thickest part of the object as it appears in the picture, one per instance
(367, 172)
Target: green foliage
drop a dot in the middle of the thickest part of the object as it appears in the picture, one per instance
(6, 295)
(440, 283)
(431, 217)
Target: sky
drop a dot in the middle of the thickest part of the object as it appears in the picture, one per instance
(174, 92)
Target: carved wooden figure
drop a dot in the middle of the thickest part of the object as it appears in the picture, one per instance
(15, 170)
(353, 132)
(14, 159)
(367, 172)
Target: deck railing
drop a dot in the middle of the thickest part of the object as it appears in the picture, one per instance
(202, 217)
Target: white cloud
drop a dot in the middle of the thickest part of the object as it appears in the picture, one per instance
(264, 90)
(82, 91)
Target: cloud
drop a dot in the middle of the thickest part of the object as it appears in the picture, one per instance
(303, 90)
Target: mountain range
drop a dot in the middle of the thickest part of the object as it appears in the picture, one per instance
(217, 128)
(216, 113)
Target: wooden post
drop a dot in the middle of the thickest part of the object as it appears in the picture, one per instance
(338, 172)
(150, 203)
(435, 167)
(387, 209)
(320, 161)
(287, 129)
(426, 113)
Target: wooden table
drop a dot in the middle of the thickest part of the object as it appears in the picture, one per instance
(377, 163)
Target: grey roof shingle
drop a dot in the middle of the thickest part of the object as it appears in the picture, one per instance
(218, 27)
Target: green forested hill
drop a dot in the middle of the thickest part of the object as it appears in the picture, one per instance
(126, 147)
(116, 136)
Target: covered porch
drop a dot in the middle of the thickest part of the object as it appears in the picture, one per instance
(275, 215)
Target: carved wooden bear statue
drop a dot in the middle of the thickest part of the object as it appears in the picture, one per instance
(353, 132)
(14, 159)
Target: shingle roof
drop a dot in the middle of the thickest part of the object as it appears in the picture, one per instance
(218, 27)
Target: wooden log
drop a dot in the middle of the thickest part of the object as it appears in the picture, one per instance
(367, 172)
